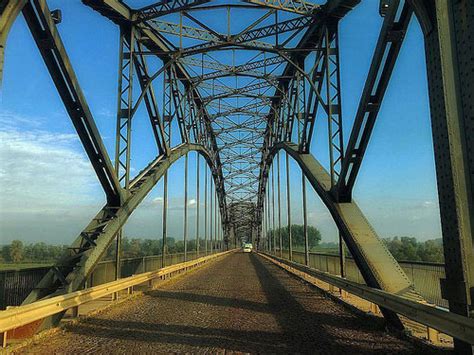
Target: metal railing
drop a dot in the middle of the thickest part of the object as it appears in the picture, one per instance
(23, 315)
(424, 275)
(16, 284)
(455, 325)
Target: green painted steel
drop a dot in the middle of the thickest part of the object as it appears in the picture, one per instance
(377, 265)
(103, 228)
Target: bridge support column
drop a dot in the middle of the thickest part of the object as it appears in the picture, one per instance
(288, 204)
(280, 242)
(305, 220)
(450, 67)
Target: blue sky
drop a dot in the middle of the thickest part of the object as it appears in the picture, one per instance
(50, 192)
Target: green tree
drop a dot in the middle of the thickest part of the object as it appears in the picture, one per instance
(297, 236)
(6, 253)
(410, 249)
(16, 251)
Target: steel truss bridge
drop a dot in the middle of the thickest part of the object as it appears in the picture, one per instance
(241, 98)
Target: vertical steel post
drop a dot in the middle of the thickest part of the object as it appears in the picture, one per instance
(305, 220)
(220, 233)
(215, 219)
(124, 105)
(185, 227)
(288, 197)
(205, 211)
(333, 100)
(167, 118)
(124, 121)
(165, 211)
(342, 256)
(197, 203)
(450, 69)
(273, 208)
(279, 205)
(270, 232)
(264, 227)
(118, 253)
(211, 214)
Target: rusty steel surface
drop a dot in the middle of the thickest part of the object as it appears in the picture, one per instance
(241, 303)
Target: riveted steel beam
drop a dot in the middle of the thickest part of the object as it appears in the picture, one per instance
(165, 7)
(385, 55)
(294, 6)
(450, 68)
(376, 264)
(71, 271)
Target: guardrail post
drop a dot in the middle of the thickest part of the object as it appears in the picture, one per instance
(374, 308)
(433, 335)
(4, 339)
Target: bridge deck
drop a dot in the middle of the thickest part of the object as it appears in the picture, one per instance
(241, 303)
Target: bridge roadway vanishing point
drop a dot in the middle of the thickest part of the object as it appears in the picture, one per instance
(241, 303)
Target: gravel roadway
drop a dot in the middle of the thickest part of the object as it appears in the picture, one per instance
(239, 304)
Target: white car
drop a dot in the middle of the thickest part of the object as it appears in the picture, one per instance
(247, 248)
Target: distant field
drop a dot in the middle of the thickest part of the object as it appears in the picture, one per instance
(22, 266)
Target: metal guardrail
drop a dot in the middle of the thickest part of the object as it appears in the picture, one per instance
(23, 315)
(440, 319)
(424, 275)
(16, 284)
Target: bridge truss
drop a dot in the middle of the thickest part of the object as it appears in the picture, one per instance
(238, 95)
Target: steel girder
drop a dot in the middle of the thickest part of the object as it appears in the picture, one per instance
(390, 38)
(323, 35)
(71, 271)
(448, 27)
(376, 264)
(164, 7)
(294, 6)
(120, 13)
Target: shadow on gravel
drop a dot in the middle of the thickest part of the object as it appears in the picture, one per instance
(211, 300)
(200, 338)
(322, 328)
(312, 332)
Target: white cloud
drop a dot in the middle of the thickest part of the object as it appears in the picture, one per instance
(42, 171)
(158, 201)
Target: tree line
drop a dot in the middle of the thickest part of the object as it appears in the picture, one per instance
(18, 252)
(297, 236)
(409, 248)
(402, 248)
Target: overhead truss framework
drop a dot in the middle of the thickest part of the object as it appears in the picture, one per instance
(239, 91)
